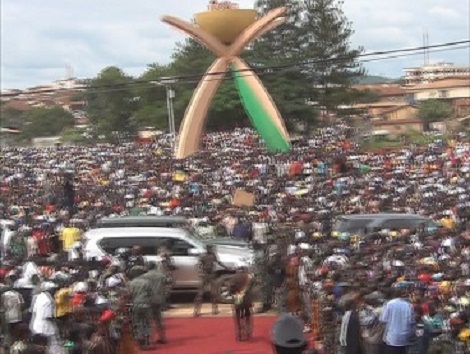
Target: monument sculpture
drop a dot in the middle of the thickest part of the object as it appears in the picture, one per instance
(226, 30)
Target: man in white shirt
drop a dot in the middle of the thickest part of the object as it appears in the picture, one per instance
(43, 320)
(12, 304)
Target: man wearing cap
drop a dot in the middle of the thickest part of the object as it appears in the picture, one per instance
(288, 336)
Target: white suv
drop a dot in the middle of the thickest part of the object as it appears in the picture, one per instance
(185, 249)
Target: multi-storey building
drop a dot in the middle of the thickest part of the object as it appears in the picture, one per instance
(432, 72)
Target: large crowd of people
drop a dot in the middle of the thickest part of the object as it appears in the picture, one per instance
(400, 290)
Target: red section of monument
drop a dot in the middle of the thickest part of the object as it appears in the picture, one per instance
(214, 335)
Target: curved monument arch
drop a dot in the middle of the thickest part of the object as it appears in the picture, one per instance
(226, 33)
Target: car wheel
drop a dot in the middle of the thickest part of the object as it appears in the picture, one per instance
(223, 289)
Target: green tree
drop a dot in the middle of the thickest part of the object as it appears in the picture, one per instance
(283, 43)
(364, 96)
(74, 135)
(11, 118)
(434, 110)
(288, 91)
(191, 60)
(152, 106)
(332, 64)
(278, 48)
(111, 101)
(227, 111)
(42, 122)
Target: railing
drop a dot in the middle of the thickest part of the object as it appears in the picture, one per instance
(223, 5)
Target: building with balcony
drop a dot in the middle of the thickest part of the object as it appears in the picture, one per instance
(438, 71)
(449, 89)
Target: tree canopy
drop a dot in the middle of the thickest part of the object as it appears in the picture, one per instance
(434, 110)
(43, 122)
(307, 59)
(111, 101)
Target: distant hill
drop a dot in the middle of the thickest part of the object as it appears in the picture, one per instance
(375, 79)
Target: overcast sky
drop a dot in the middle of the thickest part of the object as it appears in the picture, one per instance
(38, 38)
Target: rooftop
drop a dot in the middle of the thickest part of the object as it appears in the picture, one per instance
(383, 89)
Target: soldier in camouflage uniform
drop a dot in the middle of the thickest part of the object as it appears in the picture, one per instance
(277, 273)
(166, 268)
(207, 267)
(263, 277)
(141, 294)
(327, 319)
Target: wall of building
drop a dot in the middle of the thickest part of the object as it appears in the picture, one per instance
(444, 93)
(404, 113)
(399, 128)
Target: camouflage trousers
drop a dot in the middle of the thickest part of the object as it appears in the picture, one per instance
(280, 299)
(307, 308)
(266, 288)
(208, 282)
(168, 288)
(141, 321)
(329, 339)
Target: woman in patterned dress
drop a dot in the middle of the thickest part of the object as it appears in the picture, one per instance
(126, 344)
(101, 342)
(241, 286)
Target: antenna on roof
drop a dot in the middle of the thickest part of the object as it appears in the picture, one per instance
(426, 46)
(68, 71)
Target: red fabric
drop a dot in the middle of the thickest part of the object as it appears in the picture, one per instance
(424, 278)
(50, 208)
(174, 203)
(42, 240)
(189, 333)
(3, 273)
(296, 168)
(425, 308)
(107, 316)
(78, 300)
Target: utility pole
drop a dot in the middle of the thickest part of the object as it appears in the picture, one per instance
(170, 95)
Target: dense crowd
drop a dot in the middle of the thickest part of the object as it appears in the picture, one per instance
(398, 288)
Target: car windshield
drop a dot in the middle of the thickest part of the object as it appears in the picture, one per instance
(198, 236)
(351, 225)
(204, 233)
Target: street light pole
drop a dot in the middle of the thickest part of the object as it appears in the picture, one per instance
(170, 95)
(171, 112)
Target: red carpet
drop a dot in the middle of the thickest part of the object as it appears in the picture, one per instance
(214, 335)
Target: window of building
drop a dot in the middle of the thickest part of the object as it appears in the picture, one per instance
(443, 93)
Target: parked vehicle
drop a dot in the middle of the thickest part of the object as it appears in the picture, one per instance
(143, 221)
(364, 224)
(169, 222)
(186, 247)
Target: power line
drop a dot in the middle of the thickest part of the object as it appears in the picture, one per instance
(180, 79)
(316, 61)
(228, 77)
